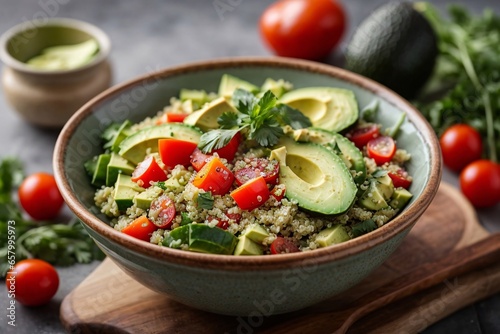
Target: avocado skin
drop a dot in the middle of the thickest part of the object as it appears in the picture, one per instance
(395, 46)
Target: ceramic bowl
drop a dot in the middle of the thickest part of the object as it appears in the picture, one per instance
(48, 98)
(238, 285)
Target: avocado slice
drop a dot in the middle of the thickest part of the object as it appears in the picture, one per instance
(400, 198)
(314, 176)
(101, 168)
(348, 151)
(134, 147)
(332, 235)
(373, 198)
(385, 186)
(328, 108)
(206, 117)
(278, 88)
(206, 239)
(116, 166)
(125, 191)
(143, 199)
(228, 84)
(247, 246)
(256, 233)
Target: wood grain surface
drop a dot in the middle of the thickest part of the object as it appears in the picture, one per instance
(111, 302)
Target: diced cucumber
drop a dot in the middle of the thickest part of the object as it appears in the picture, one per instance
(206, 239)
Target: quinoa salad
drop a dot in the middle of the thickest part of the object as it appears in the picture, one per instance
(252, 170)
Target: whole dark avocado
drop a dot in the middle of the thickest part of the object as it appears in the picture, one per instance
(395, 46)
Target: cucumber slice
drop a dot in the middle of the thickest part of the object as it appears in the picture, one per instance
(206, 239)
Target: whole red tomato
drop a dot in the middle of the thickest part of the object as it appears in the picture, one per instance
(480, 183)
(307, 29)
(461, 144)
(40, 197)
(32, 282)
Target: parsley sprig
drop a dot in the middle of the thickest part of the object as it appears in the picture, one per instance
(260, 119)
(59, 244)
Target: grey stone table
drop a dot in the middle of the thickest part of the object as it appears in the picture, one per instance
(148, 35)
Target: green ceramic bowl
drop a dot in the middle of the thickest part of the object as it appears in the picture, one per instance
(238, 285)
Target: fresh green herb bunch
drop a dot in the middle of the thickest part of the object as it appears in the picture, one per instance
(468, 67)
(59, 244)
(260, 119)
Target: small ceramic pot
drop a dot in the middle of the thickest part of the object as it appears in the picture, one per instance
(48, 98)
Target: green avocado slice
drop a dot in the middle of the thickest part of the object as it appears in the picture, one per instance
(314, 176)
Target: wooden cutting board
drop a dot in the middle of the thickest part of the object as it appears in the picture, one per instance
(109, 301)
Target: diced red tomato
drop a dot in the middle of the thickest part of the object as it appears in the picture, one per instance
(400, 178)
(199, 159)
(281, 245)
(361, 135)
(224, 223)
(252, 194)
(228, 152)
(214, 177)
(141, 228)
(381, 149)
(162, 212)
(171, 118)
(278, 193)
(260, 167)
(148, 171)
(175, 152)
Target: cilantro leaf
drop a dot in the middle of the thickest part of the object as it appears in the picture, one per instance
(292, 117)
(215, 139)
(229, 120)
(185, 220)
(363, 227)
(205, 200)
(244, 101)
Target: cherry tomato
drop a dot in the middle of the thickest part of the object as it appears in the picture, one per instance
(278, 193)
(461, 144)
(214, 177)
(141, 228)
(171, 118)
(259, 167)
(162, 212)
(40, 197)
(252, 194)
(361, 135)
(32, 282)
(225, 223)
(381, 149)
(148, 171)
(400, 178)
(199, 159)
(480, 183)
(229, 151)
(307, 29)
(281, 245)
(175, 152)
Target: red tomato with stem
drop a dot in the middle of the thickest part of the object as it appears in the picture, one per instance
(252, 194)
(281, 245)
(258, 167)
(381, 149)
(480, 183)
(148, 171)
(361, 135)
(141, 228)
(214, 177)
(307, 29)
(175, 152)
(400, 178)
(162, 212)
(461, 144)
(40, 197)
(33, 282)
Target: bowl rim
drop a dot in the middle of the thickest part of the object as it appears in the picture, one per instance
(401, 223)
(83, 26)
